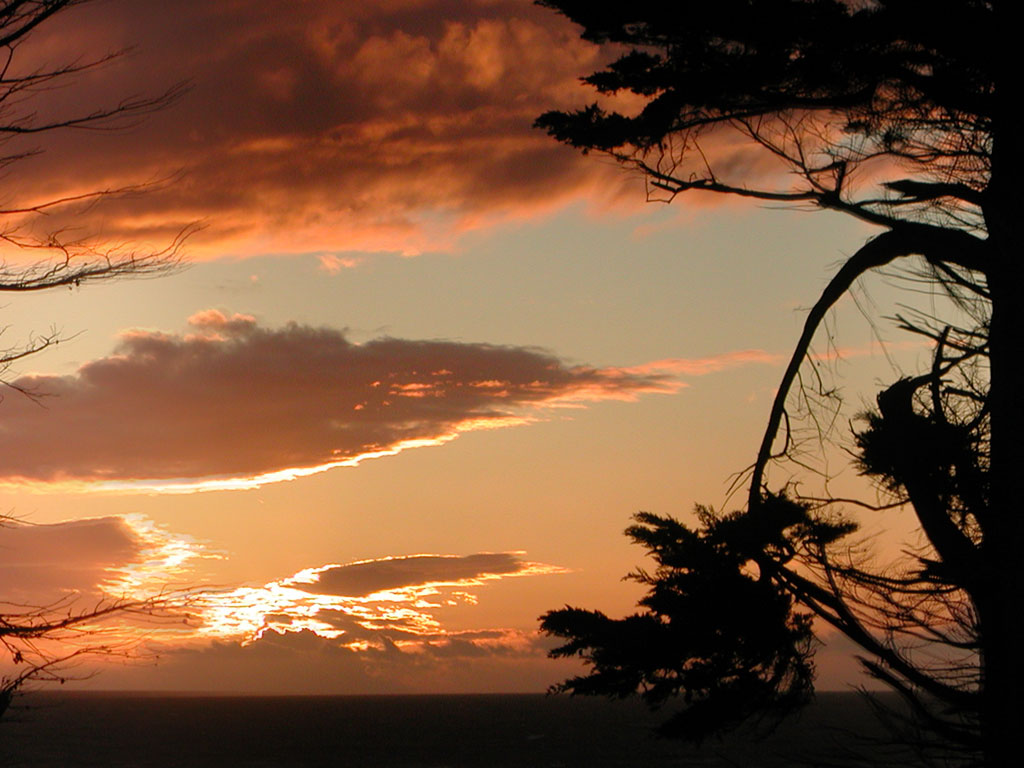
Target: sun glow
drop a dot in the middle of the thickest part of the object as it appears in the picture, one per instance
(164, 559)
(293, 604)
(140, 570)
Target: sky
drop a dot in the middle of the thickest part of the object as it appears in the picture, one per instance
(422, 362)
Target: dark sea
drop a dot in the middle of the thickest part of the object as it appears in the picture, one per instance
(515, 731)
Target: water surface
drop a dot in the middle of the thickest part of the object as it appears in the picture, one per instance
(112, 730)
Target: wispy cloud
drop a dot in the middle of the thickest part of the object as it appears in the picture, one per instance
(233, 404)
(701, 366)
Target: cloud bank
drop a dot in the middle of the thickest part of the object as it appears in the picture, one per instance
(367, 626)
(233, 404)
(304, 662)
(378, 603)
(371, 626)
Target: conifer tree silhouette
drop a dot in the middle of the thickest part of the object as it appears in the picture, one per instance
(902, 114)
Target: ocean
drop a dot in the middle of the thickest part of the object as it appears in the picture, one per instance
(66, 729)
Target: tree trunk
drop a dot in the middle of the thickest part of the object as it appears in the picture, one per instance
(999, 607)
(1002, 668)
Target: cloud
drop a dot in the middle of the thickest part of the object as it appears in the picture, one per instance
(370, 576)
(304, 662)
(323, 127)
(369, 603)
(702, 366)
(39, 563)
(89, 560)
(369, 609)
(233, 404)
(371, 626)
(390, 598)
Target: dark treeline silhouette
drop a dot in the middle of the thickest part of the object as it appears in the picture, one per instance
(902, 114)
(42, 641)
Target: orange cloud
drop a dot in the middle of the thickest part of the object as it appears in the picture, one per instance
(319, 127)
(232, 404)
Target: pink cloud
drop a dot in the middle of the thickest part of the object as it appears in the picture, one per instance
(234, 400)
(334, 264)
(80, 563)
(705, 365)
(41, 563)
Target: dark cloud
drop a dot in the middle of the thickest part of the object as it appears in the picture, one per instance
(240, 401)
(359, 579)
(289, 662)
(459, 648)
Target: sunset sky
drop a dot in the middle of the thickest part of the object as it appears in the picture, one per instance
(423, 362)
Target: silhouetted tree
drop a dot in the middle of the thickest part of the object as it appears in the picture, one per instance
(42, 640)
(45, 643)
(902, 114)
